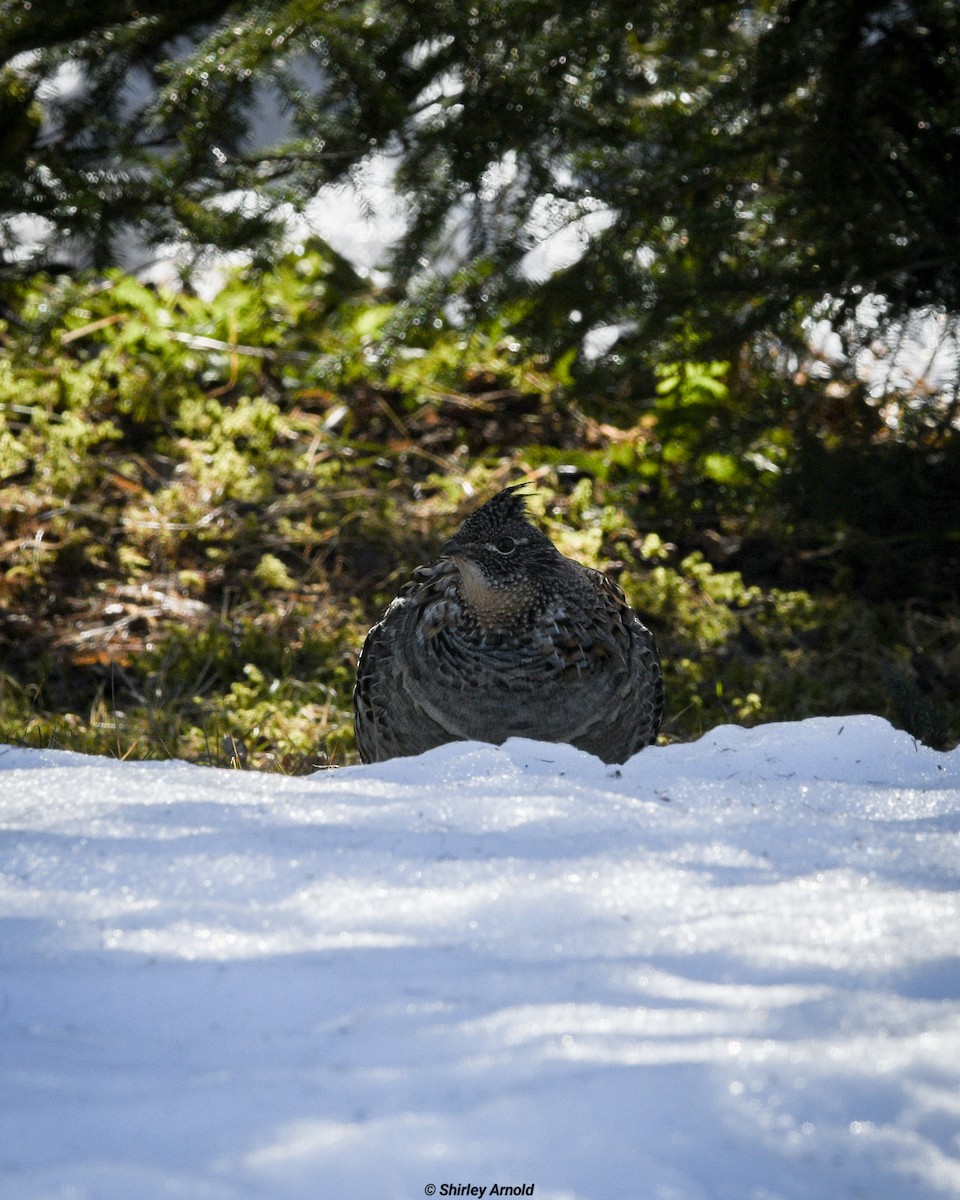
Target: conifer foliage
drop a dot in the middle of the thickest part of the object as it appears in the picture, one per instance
(722, 164)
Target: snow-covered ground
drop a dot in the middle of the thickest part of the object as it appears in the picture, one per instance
(726, 970)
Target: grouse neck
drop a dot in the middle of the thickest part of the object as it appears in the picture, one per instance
(493, 606)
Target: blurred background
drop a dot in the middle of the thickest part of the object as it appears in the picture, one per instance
(288, 289)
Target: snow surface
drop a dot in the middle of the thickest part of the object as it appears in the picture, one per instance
(725, 970)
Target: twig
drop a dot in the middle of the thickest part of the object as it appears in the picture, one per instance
(102, 323)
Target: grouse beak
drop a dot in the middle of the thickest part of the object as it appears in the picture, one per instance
(452, 549)
(469, 570)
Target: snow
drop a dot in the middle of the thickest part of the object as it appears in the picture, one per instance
(727, 970)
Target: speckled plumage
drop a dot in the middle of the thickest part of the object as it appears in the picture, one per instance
(502, 636)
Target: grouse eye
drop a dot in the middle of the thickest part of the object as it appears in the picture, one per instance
(505, 545)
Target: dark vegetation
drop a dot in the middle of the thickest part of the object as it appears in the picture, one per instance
(204, 504)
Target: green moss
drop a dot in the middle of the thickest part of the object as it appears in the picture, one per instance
(205, 504)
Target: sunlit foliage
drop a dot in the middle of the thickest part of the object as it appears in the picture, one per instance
(205, 504)
(723, 166)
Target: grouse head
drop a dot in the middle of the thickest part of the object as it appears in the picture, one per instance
(505, 564)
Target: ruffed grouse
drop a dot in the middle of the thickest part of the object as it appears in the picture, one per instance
(502, 636)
